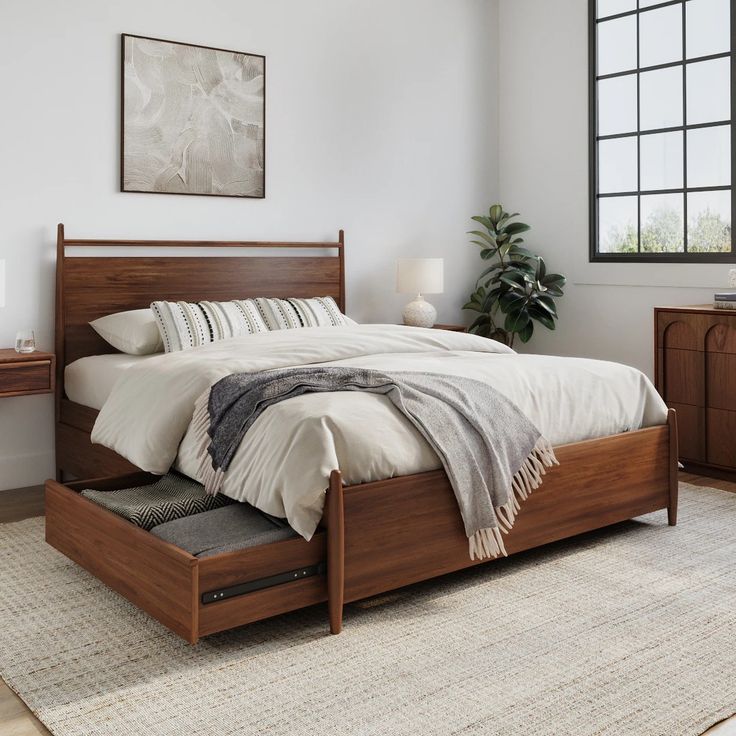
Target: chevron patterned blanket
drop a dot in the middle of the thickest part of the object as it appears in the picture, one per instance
(171, 497)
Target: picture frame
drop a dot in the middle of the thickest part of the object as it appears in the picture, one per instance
(192, 119)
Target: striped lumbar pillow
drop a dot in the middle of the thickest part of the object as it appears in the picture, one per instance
(186, 325)
(285, 314)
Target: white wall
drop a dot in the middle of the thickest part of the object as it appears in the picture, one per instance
(543, 168)
(381, 119)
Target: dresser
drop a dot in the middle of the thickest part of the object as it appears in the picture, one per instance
(695, 373)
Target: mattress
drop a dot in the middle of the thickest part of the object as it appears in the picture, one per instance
(89, 381)
(283, 465)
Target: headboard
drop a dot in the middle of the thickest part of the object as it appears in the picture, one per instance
(90, 287)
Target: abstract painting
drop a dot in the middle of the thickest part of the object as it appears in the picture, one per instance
(193, 119)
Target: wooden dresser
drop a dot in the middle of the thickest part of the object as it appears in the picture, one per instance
(695, 372)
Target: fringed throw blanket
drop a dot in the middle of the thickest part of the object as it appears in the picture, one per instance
(492, 454)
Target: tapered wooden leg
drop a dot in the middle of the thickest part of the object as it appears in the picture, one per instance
(674, 481)
(335, 552)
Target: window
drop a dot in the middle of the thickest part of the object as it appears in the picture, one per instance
(662, 133)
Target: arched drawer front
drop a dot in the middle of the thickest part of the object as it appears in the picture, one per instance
(681, 380)
(681, 332)
(721, 337)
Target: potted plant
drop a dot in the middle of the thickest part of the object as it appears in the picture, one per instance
(515, 290)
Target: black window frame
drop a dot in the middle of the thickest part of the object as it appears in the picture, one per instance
(686, 257)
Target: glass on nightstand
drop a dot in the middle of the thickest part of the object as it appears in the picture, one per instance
(25, 341)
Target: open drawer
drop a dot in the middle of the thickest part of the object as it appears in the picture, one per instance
(191, 596)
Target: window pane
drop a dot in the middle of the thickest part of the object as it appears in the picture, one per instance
(709, 91)
(661, 161)
(649, 3)
(617, 165)
(708, 27)
(617, 45)
(662, 226)
(709, 221)
(660, 35)
(617, 105)
(661, 98)
(709, 157)
(617, 223)
(612, 7)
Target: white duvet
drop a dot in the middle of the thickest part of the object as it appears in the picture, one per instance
(284, 462)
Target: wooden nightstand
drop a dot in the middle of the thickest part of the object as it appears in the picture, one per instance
(22, 374)
(451, 328)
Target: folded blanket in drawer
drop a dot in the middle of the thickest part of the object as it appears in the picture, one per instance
(171, 497)
(226, 529)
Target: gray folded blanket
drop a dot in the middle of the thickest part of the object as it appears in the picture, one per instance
(170, 497)
(493, 455)
(232, 527)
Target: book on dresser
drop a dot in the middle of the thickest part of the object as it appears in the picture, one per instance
(695, 373)
(724, 300)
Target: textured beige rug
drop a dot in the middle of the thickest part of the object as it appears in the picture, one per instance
(631, 630)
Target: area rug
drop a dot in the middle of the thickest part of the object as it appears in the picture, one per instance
(630, 630)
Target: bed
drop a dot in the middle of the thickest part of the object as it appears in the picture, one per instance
(373, 532)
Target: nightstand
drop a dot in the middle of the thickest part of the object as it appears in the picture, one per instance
(451, 328)
(22, 374)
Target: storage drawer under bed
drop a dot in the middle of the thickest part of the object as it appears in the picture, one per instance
(190, 595)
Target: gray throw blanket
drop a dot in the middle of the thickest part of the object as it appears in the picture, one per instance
(492, 454)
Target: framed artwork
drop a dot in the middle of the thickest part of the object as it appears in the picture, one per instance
(192, 119)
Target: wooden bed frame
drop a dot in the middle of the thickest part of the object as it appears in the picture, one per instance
(374, 536)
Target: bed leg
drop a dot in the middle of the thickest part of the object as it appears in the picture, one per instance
(335, 552)
(674, 470)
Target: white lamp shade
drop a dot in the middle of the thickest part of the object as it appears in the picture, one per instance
(2, 282)
(420, 275)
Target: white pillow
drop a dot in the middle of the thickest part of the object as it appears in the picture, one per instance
(134, 332)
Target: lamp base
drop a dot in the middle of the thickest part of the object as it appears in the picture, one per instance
(419, 313)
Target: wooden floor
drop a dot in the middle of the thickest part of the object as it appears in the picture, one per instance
(17, 720)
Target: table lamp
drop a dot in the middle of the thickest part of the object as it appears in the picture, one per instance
(419, 276)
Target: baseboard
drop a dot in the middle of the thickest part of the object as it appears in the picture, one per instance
(20, 471)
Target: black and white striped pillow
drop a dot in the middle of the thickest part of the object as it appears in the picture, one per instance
(189, 324)
(186, 325)
(285, 314)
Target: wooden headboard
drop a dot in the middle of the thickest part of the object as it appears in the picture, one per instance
(91, 287)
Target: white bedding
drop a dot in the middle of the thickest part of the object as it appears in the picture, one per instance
(89, 381)
(285, 460)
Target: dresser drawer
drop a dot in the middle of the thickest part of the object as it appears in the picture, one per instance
(721, 335)
(26, 377)
(721, 430)
(683, 377)
(691, 431)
